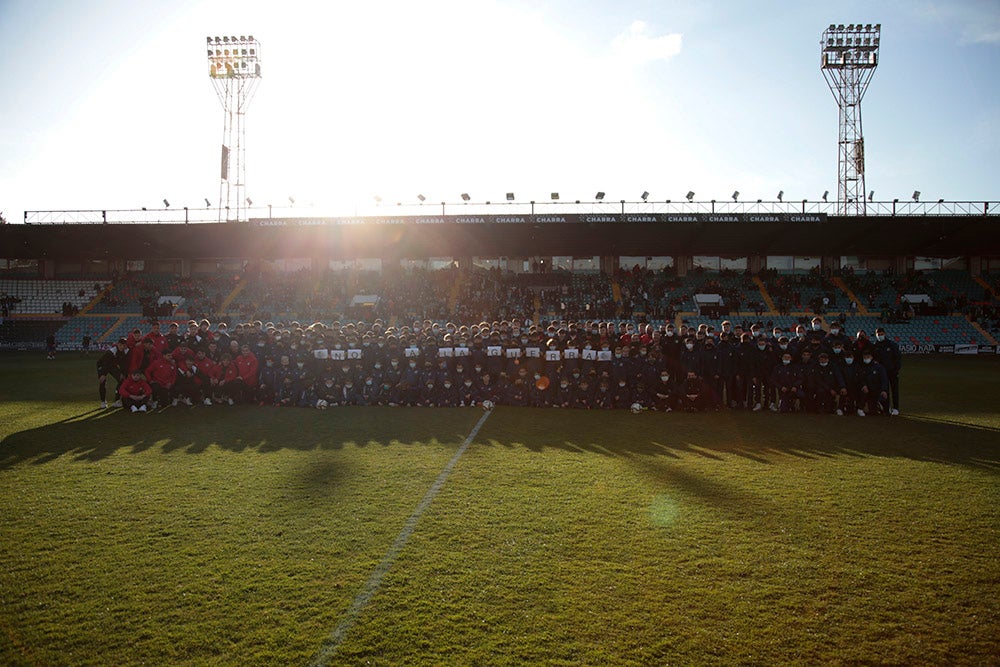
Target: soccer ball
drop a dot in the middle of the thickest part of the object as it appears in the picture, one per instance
(321, 404)
(487, 405)
(636, 408)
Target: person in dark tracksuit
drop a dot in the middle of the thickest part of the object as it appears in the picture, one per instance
(887, 353)
(827, 385)
(113, 362)
(873, 384)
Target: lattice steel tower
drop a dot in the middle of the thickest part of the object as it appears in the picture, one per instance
(849, 59)
(234, 67)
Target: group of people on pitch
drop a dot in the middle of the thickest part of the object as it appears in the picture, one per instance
(588, 365)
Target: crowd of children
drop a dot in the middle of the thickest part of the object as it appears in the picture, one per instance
(588, 365)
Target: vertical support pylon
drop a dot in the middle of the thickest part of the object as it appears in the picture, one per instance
(849, 58)
(234, 67)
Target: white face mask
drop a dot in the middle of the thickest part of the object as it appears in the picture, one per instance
(834, 331)
(849, 361)
(689, 346)
(816, 327)
(664, 378)
(762, 347)
(786, 361)
(670, 334)
(783, 346)
(880, 338)
(867, 360)
(824, 364)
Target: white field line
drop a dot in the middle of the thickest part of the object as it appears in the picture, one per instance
(364, 596)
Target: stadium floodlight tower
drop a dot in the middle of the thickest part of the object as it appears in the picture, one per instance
(234, 67)
(849, 59)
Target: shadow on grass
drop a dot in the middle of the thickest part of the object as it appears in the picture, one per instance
(762, 438)
(97, 434)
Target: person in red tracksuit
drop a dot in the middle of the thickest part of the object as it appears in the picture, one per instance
(207, 376)
(135, 392)
(247, 365)
(162, 376)
(141, 356)
(159, 340)
(182, 351)
(188, 387)
(231, 386)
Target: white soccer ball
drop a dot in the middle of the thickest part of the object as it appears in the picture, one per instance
(321, 404)
(487, 405)
(636, 408)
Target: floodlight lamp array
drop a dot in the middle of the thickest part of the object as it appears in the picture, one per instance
(233, 57)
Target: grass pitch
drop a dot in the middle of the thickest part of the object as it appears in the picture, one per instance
(242, 535)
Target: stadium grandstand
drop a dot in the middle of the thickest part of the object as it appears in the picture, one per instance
(930, 277)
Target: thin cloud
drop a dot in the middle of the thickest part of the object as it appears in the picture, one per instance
(637, 46)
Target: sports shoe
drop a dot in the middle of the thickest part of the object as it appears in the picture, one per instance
(117, 404)
(207, 401)
(232, 402)
(142, 408)
(175, 402)
(840, 413)
(135, 408)
(894, 412)
(757, 407)
(104, 404)
(187, 401)
(861, 413)
(153, 405)
(774, 407)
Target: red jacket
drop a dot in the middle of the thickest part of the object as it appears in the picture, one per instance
(162, 372)
(137, 358)
(187, 368)
(179, 354)
(159, 341)
(207, 368)
(130, 387)
(228, 372)
(247, 363)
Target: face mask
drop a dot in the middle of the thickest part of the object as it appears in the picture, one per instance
(468, 384)
(447, 385)
(563, 385)
(689, 346)
(762, 347)
(368, 382)
(337, 347)
(838, 350)
(867, 360)
(413, 364)
(816, 327)
(394, 363)
(670, 334)
(783, 346)
(537, 376)
(345, 368)
(642, 353)
(378, 366)
(621, 384)
(300, 364)
(824, 364)
(849, 360)
(576, 375)
(800, 334)
(834, 332)
(329, 385)
(786, 361)
(880, 338)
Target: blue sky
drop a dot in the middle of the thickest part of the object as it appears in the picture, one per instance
(109, 104)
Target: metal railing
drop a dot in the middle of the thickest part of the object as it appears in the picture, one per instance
(428, 211)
